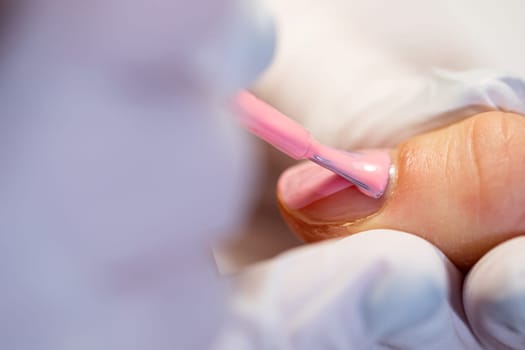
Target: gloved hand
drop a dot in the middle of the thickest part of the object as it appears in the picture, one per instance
(458, 187)
(383, 289)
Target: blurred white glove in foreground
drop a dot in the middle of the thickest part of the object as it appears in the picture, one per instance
(120, 168)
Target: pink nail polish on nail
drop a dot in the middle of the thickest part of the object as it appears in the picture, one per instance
(306, 183)
(368, 170)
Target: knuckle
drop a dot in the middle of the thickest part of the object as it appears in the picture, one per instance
(494, 161)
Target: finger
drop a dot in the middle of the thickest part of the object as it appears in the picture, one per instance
(459, 187)
(377, 289)
(495, 296)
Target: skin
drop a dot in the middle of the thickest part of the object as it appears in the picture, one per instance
(460, 187)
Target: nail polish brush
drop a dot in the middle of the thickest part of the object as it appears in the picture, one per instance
(368, 170)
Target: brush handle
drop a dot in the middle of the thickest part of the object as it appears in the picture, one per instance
(269, 124)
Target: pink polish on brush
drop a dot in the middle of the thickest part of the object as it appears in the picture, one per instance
(369, 170)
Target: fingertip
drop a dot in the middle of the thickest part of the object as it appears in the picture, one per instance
(494, 296)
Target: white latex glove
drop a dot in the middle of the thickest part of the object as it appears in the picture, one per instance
(494, 296)
(348, 80)
(375, 290)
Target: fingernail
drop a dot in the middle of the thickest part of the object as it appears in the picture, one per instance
(321, 195)
(306, 183)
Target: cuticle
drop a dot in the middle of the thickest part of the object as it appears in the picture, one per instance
(389, 190)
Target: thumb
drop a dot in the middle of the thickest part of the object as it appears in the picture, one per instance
(460, 188)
